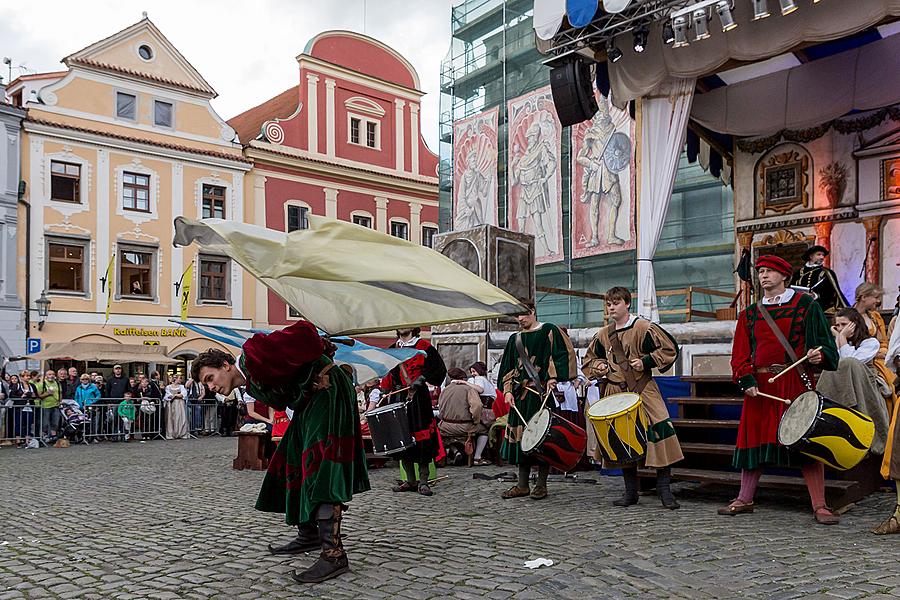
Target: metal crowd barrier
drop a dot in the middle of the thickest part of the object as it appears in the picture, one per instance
(101, 421)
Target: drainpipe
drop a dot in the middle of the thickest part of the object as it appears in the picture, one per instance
(27, 206)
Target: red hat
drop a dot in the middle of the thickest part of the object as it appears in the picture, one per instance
(776, 263)
(274, 358)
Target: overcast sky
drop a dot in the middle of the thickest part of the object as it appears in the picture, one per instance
(246, 50)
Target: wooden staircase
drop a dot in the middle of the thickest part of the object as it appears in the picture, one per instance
(707, 426)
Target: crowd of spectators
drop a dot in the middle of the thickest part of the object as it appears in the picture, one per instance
(43, 408)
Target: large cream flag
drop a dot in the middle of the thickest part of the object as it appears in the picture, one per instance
(349, 279)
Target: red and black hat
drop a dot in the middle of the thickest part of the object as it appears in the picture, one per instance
(776, 263)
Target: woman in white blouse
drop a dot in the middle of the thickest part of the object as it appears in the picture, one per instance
(852, 337)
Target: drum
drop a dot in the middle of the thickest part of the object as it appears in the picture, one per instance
(389, 428)
(554, 440)
(824, 430)
(620, 423)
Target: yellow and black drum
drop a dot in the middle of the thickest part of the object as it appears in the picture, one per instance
(824, 430)
(621, 426)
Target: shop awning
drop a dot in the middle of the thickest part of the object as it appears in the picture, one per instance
(104, 353)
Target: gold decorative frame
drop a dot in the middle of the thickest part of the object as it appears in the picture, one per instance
(796, 165)
(890, 178)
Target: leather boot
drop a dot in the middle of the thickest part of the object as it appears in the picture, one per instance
(333, 560)
(664, 489)
(307, 540)
(630, 497)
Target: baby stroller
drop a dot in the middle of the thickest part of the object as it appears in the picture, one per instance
(73, 421)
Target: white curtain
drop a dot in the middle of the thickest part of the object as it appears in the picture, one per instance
(664, 118)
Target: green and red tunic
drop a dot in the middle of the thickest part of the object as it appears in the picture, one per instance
(756, 347)
(320, 458)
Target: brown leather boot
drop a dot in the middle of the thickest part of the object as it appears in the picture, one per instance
(333, 560)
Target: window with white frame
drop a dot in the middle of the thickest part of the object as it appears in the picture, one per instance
(137, 271)
(67, 265)
(363, 131)
(400, 230)
(362, 220)
(162, 113)
(126, 106)
(65, 181)
(428, 234)
(213, 201)
(136, 191)
(214, 278)
(297, 217)
(293, 313)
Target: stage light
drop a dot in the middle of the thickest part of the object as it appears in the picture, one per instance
(640, 38)
(760, 9)
(788, 6)
(668, 34)
(724, 10)
(680, 29)
(612, 53)
(701, 29)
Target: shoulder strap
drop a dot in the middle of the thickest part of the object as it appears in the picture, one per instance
(530, 369)
(778, 333)
(635, 384)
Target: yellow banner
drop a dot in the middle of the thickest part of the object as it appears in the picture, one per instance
(110, 272)
(186, 278)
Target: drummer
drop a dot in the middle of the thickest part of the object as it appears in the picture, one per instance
(757, 355)
(550, 352)
(622, 356)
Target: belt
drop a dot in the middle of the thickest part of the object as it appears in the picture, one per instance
(773, 369)
(469, 421)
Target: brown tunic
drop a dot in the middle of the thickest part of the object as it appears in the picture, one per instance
(460, 402)
(656, 349)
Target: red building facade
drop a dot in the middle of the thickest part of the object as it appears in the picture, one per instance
(344, 143)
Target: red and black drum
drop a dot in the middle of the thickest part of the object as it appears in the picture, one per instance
(554, 440)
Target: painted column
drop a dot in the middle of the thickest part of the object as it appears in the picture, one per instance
(745, 242)
(237, 273)
(414, 136)
(399, 138)
(381, 214)
(873, 248)
(823, 238)
(312, 112)
(331, 195)
(259, 212)
(329, 117)
(415, 223)
(105, 246)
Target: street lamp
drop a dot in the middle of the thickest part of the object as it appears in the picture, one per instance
(43, 308)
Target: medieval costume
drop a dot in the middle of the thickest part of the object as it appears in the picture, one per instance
(878, 331)
(460, 410)
(820, 281)
(614, 348)
(320, 462)
(890, 464)
(415, 374)
(550, 352)
(757, 355)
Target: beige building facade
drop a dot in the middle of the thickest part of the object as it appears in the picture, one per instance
(113, 149)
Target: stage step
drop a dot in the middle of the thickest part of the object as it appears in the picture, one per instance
(734, 478)
(711, 423)
(731, 401)
(704, 448)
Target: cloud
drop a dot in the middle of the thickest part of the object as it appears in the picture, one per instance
(245, 50)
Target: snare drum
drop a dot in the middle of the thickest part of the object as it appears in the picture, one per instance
(620, 423)
(822, 429)
(554, 440)
(389, 428)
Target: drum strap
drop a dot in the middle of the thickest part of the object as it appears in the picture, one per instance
(530, 369)
(783, 341)
(634, 385)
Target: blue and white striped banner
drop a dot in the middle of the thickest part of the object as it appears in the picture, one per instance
(368, 362)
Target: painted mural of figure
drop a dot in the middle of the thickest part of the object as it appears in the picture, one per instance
(474, 195)
(599, 181)
(533, 171)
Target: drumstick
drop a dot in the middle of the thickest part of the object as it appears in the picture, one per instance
(796, 364)
(764, 395)
(383, 396)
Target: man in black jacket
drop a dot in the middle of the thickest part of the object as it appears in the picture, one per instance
(116, 385)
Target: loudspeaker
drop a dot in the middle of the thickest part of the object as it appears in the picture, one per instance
(573, 93)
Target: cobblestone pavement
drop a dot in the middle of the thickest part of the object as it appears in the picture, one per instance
(173, 520)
